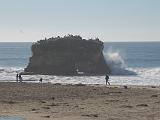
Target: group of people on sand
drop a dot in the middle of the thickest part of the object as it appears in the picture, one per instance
(19, 78)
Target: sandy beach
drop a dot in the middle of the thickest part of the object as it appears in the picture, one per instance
(35, 101)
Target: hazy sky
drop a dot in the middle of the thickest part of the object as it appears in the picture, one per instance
(110, 20)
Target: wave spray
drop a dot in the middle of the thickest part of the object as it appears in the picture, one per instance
(116, 63)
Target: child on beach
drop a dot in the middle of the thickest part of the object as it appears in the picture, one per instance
(40, 80)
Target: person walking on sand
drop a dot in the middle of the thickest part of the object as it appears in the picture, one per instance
(17, 76)
(107, 78)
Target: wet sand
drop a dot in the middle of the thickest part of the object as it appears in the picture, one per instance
(34, 101)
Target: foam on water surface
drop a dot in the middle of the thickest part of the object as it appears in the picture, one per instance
(144, 76)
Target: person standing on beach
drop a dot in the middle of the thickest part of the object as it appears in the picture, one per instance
(40, 80)
(107, 78)
(20, 78)
(17, 76)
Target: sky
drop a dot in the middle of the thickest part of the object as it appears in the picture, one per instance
(109, 20)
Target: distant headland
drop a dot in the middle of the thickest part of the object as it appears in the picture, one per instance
(68, 55)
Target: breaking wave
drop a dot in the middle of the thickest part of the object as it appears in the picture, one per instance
(10, 70)
(145, 76)
(116, 63)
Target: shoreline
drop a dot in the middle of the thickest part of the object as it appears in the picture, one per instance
(65, 83)
(45, 101)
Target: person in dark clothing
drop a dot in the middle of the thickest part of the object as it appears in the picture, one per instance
(107, 78)
(20, 78)
(17, 76)
(40, 80)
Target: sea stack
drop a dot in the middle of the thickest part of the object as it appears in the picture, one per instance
(68, 55)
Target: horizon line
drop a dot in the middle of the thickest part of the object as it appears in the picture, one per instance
(102, 41)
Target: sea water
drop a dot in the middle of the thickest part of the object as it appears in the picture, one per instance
(132, 63)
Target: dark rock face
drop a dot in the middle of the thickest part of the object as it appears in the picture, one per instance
(70, 55)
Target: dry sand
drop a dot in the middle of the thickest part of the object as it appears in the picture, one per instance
(79, 102)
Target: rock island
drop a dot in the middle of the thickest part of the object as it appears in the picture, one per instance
(68, 55)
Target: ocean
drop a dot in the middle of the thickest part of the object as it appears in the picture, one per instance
(132, 63)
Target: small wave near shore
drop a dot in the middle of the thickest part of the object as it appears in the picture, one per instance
(144, 76)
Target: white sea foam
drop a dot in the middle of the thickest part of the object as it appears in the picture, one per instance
(144, 76)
